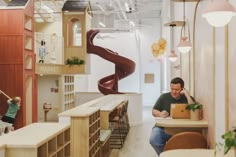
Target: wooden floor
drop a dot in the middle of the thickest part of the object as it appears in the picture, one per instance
(137, 141)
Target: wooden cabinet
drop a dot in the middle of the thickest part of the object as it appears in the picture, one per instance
(85, 130)
(17, 60)
(38, 140)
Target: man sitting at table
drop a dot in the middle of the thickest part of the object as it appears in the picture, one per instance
(178, 94)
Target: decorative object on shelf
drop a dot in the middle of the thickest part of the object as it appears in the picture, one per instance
(42, 51)
(173, 56)
(53, 47)
(74, 61)
(159, 48)
(230, 140)
(184, 45)
(218, 13)
(194, 110)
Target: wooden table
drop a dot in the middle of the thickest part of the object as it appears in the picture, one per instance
(173, 126)
(195, 153)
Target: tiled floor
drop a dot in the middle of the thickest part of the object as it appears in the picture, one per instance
(137, 141)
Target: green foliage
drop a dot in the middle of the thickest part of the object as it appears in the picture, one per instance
(230, 140)
(194, 106)
(74, 61)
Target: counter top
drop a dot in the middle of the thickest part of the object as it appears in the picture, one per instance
(79, 111)
(33, 135)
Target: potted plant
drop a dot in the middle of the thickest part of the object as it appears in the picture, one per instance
(194, 110)
(74, 61)
(230, 140)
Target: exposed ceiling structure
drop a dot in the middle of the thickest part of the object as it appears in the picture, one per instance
(107, 14)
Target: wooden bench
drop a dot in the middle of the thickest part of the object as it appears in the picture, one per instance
(104, 142)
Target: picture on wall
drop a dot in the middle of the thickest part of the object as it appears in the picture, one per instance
(149, 78)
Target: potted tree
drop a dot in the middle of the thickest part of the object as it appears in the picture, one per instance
(194, 110)
(230, 140)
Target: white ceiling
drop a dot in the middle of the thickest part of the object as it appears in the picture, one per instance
(113, 13)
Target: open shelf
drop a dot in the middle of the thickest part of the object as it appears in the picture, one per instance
(50, 141)
(85, 142)
(42, 150)
(68, 92)
(174, 24)
(28, 62)
(28, 23)
(28, 42)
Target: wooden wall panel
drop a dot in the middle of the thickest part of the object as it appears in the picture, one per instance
(11, 48)
(11, 21)
(29, 9)
(11, 82)
(13, 69)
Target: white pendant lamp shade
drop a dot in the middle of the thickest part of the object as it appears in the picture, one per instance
(173, 56)
(218, 13)
(184, 45)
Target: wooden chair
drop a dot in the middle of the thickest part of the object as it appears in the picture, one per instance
(186, 140)
(119, 124)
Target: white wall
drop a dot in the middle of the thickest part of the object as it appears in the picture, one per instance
(54, 43)
(45, 95)
(135, 46)
(149, 64)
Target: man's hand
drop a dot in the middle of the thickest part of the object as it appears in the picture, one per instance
(187, 95)
(185, 92)
(164, 114)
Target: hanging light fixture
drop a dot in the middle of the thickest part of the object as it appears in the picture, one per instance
(218, 13)
(173, 56)
(184, 45)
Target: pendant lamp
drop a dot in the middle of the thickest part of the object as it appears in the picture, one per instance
(173, 56)
(218, 13)
(184, 45)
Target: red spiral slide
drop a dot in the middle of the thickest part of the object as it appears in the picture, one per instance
(123, 66)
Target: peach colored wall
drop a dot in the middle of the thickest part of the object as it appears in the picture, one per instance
(204, 65)
(204, 76)
(232, 72)
(210, 71)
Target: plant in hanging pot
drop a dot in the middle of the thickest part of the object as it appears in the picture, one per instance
(194, 110)
(229, 140)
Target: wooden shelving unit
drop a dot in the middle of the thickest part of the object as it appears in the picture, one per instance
(18, 58)
(52, 140)
(85, 130)
(68, 92)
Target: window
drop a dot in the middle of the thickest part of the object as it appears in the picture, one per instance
(74, 31)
